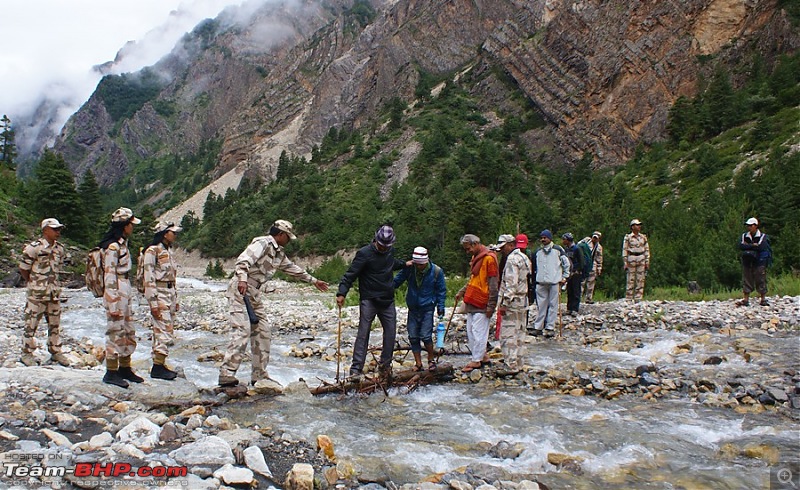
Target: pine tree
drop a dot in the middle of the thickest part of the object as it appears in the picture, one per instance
(8, 150)
(52, 194)
(91, 202)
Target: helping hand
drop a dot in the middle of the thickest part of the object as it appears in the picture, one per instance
(242, 287)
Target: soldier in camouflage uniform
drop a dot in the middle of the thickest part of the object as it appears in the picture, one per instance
(42, 262)
(512, 301)
(254, 267)
(160, 273)
(597, 267)
(635, 260)
(117, 297)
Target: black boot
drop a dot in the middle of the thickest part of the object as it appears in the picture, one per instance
(160, 371)
(127, 373)
(114, 378)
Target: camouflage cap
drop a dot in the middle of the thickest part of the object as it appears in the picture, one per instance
(161, 226)
(285, 227)
(635, 222)
(124, 215)
(52, 223)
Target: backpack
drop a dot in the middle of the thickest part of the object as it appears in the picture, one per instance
(95, 272)
(139, 280)
(588, 263)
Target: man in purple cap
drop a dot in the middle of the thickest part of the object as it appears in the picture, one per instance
(372, 267)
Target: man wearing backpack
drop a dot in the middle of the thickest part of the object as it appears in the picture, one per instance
(756, 256)
(117, 298)
(254, 266)
(551, 267)
(426, 290)
(158, 281)
(42, 262)
(577, 266)
(597, 267)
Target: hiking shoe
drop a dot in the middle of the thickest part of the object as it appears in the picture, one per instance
(549, 333)
(227, 380)
(29, 360)
(160, 371)
(114, 378)
(59, 358)
(742, 302)
(127, 373)
(534, 333)
(764, 303)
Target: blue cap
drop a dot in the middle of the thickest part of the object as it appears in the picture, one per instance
(546, 233)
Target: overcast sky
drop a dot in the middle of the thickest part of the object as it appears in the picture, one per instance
(50, 46)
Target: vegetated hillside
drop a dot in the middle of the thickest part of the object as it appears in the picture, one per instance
(449, 166)
(602, 75)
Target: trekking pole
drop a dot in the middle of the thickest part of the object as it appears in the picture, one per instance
(447, 329)
(339, 345)
(560, 323)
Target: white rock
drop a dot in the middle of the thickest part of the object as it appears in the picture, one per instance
(58, 439)
(104, 439)
(142, 433)
(210, 450)
(300, 477)
(233, 475)
(254, 459)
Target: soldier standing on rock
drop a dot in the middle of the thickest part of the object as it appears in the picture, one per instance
(512, 302)
(160, 273)
(254, 267)
(42, 261)
(117, 296)
(636, 261)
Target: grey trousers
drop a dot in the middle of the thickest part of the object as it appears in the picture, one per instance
(368, 310)
(547, 302)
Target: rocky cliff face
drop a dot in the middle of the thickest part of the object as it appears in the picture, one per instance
(602, 73)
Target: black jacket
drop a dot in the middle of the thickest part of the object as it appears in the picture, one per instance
(373, 269)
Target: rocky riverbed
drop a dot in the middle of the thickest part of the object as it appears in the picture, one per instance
(704, 357)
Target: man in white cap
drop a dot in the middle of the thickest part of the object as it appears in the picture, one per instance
(426, 290)
(756, 256)
(635, 261)
(512, 303)
(42, 262)
(159, 281)
(372, 267)
(254, 266)
(117, 299)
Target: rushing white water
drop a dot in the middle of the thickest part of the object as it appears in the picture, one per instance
(625, 443)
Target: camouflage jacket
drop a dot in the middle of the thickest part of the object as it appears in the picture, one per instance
(635, 249)
(514, 286)
(45, 263)
(159, 267)
(262, 258)
(117, 264)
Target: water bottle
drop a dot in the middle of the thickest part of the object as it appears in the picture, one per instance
(440, 335)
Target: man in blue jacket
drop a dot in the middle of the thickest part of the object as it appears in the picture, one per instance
(373, 266)
(426, 290)
(756, 256)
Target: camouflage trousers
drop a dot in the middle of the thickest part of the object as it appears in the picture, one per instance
(634, 288)
(242, 333)
(512, 337)
(588, 286)
(163, 330)
(120, 332)
(36, 307)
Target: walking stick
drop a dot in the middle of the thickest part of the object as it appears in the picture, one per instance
(339, 345)
(447, 329)
(560, 323)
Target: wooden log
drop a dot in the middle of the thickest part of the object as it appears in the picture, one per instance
(370, 383)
